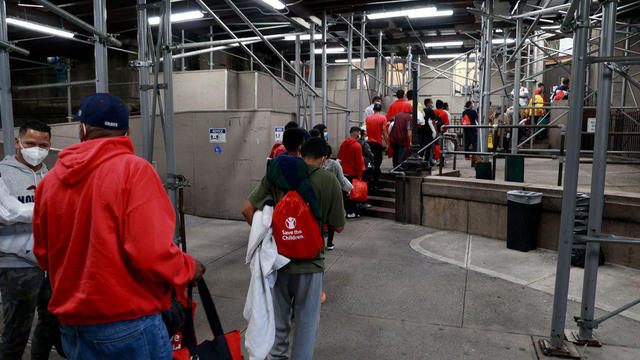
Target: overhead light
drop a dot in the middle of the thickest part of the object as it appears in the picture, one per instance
(315, 20)
(21, 3)
(498, 30)
(346, 60)
(178, 17)
(274, 4)
(443, 43)
(303, 37)
(444, 56)
(503, 41)
(333, 50)
(411, 13)
(39, 28)
(302, 22)
(550, 27)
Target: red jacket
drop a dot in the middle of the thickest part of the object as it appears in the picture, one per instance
(103, 227)
(350, 155)
(276, 149)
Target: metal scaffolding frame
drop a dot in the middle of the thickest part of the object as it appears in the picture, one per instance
(156, 96)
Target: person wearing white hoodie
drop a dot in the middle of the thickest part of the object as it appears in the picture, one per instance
(24, 287)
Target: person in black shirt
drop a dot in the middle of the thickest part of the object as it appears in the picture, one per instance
(428, 132)
(470, 117)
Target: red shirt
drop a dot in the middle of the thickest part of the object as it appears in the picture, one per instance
(375, 125)
(103, 227)
(443, 116)
(350, 155)
(398, 106)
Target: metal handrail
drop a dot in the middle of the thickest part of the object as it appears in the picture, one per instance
(419, 152)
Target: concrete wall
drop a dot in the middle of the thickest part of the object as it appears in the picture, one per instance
(480, 207)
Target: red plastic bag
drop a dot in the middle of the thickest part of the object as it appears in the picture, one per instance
(436, 152)
(295, 230)
(359, 192)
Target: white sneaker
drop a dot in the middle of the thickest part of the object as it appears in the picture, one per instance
(351, 216)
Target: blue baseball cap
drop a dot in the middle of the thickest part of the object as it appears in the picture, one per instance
(103, 110)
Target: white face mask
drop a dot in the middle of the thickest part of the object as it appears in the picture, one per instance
(33, 155)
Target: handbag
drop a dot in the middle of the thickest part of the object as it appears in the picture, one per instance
(221, 347)
(359, 192)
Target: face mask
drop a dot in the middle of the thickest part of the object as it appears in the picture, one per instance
(358, 137)
(432, 107)
(33, 155)
(326, 136)
(366, 138)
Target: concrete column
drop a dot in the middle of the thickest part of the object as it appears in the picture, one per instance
(312, 71)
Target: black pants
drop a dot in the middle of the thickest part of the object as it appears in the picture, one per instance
(376, 149)
(399, 154)
(349, 205)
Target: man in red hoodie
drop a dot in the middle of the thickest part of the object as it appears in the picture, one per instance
(103, 228)
(350, 156)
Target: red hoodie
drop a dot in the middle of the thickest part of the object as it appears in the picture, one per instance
(103, 227)
(351, 156)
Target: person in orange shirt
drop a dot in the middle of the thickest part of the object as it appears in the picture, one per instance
(399, 106)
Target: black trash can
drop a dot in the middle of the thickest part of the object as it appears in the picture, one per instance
(523, 217)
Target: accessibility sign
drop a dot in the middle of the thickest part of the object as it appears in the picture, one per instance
(279, 132)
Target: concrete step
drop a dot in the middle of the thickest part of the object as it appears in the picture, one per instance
(387, 193)
(386, 176)
(382, 201)
(379, 212)
(387, 184)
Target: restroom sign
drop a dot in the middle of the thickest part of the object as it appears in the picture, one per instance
(279, 133)
(218, 135)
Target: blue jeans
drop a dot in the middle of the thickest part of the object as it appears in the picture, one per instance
(138, 339)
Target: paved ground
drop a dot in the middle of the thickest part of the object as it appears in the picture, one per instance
(389, 298)
(410, 292)
(545, 171)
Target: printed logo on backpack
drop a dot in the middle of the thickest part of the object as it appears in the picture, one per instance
(295, 230)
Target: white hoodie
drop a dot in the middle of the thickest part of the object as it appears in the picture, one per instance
(17, 189)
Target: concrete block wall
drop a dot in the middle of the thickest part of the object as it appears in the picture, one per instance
(480, 207)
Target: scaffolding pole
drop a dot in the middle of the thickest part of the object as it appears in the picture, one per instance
(211, 53)
(6, 102)
(516, 86)
(362, 73)
(169, 143)
(144, 62)
(312, 71)
(297, 68)
(379, 72)
(325, 25)
(348, 85)
(486, 97)
(100, 46)
(623, 95)
(572, 167)
(599, 168)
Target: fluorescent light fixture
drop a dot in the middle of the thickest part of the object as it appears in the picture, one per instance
(39, 28)
(443, 43)
(21, 3)
(303, 37)
(550, 27)
(498, 30)
(411, 13)
(503, 41)
(331, 50)
(316, 20)
(178, 17)
(444, 56)
(274, 4)
(302, 22)
(346, 60)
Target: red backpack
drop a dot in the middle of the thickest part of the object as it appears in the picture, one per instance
(295, 230)
(466, 120)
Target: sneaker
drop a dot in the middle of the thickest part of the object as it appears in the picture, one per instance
(331, 247)
(366, 205)
(352, 216)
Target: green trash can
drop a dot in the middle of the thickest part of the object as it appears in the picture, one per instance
(515, 166)
(483, 170)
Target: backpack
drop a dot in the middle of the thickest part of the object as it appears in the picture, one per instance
(295, 230)
(438, 121)
(466, 120)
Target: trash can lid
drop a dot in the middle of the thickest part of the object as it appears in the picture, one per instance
(524, 197)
